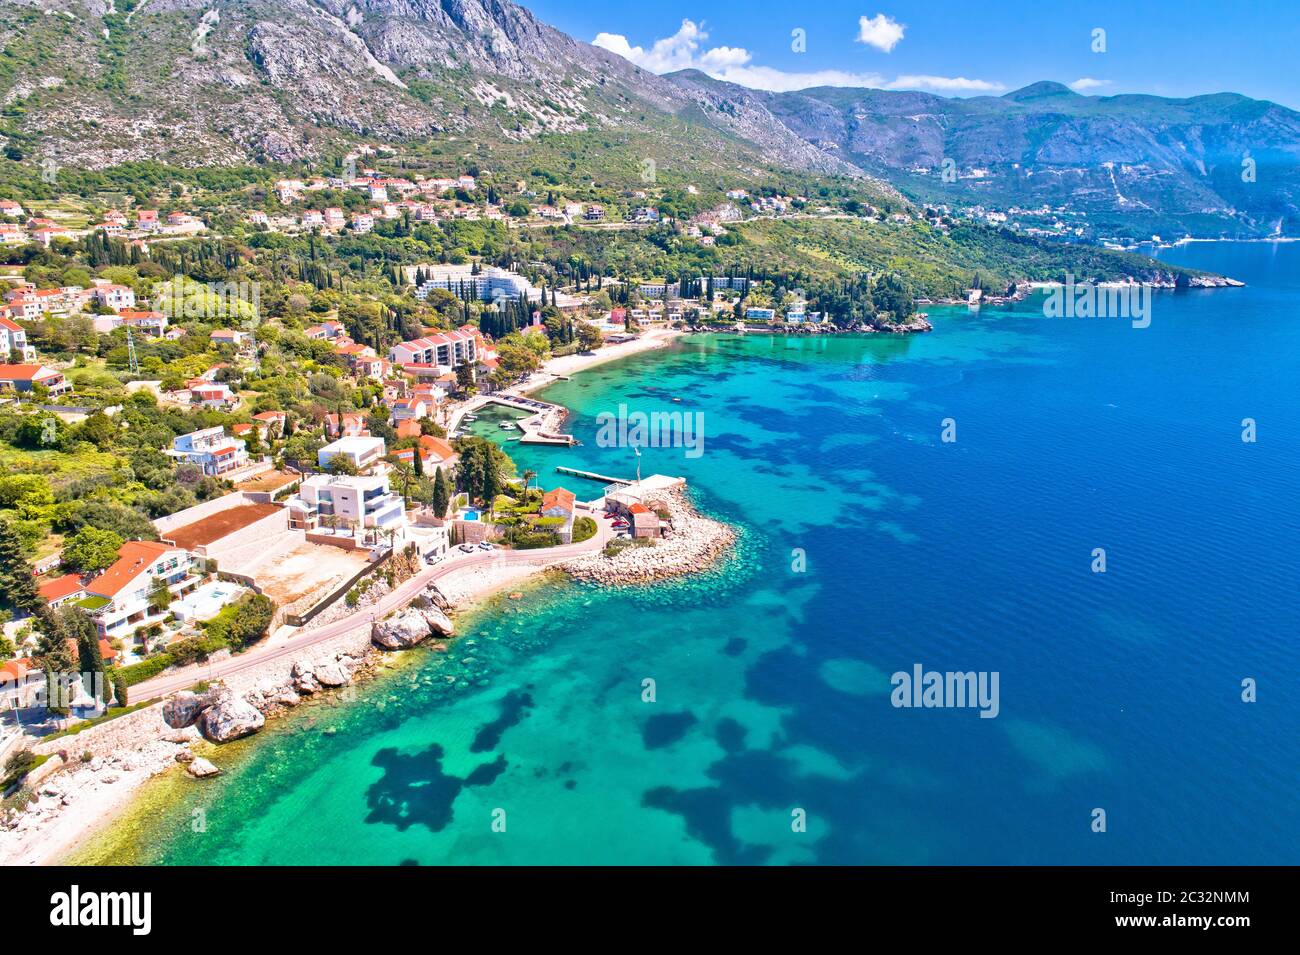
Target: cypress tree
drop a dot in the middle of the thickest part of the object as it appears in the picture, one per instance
(441, 496)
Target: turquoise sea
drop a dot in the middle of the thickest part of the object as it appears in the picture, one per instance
(1120, 691)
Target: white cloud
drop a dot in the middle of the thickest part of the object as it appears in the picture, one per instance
(676, 52)
(779, 81)
(880, 31)
(944, 84)
(1087, 83)
(686, 49)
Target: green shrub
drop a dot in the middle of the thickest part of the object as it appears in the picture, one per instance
(584, 528)
(19, 765)
(145, 669)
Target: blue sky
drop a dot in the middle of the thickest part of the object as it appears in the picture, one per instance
(1166, 48)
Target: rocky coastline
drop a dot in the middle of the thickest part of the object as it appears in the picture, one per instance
(691, 543)
(88, 778)
(90, 775)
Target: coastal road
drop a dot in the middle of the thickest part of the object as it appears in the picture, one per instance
(172, 680)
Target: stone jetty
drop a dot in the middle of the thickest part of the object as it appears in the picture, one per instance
(690, 544)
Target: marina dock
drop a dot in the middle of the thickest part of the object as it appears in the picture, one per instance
(593, 476)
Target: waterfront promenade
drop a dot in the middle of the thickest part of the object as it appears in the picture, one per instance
(284, 649)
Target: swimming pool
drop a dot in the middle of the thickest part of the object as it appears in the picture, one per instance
(206, 602)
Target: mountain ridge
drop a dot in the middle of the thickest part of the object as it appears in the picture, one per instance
(1133, 159)
(95, 83)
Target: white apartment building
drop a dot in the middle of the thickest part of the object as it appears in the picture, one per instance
(14, 339)
(445, 350)
(343, 501)
(116, 297)
(488, 284)
(362, 450)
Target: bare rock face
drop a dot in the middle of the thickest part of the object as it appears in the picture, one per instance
(182, 736)
(230, 717)
(184, 708)
(200, 768)
(302, 679)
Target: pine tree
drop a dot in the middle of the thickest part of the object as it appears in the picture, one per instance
(17, 584)
(55, 658)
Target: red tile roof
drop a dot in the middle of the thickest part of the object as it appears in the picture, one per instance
(60, 587)
(558, 498)
(20, 372)
(14, 671)
(429, 445)
(133, 558)
(106, 650)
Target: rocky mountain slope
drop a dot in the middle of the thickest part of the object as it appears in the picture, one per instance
(221, 82)
(94, 83)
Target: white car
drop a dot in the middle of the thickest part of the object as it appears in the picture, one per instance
(467, 548)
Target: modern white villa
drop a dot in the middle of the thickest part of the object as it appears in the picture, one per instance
(362, 450)
(346, 502)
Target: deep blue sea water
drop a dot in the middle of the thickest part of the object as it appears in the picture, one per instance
(1119, 691)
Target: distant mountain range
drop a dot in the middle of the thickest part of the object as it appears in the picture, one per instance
(1205, 165)
(225, 82)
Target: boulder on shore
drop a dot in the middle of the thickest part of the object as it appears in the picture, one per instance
(230, 717)
(200, 768)
(437, 597)
(184, 708)
(330, 674)
(410, 628)
(438, 621)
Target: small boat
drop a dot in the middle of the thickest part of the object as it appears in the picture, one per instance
(469, 417)
(508, 426)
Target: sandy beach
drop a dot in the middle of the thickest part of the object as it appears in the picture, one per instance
(566, 365)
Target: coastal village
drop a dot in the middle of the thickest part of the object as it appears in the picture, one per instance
(307, 537)
(249, 452)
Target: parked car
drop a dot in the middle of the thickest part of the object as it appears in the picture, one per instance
(467, 548)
